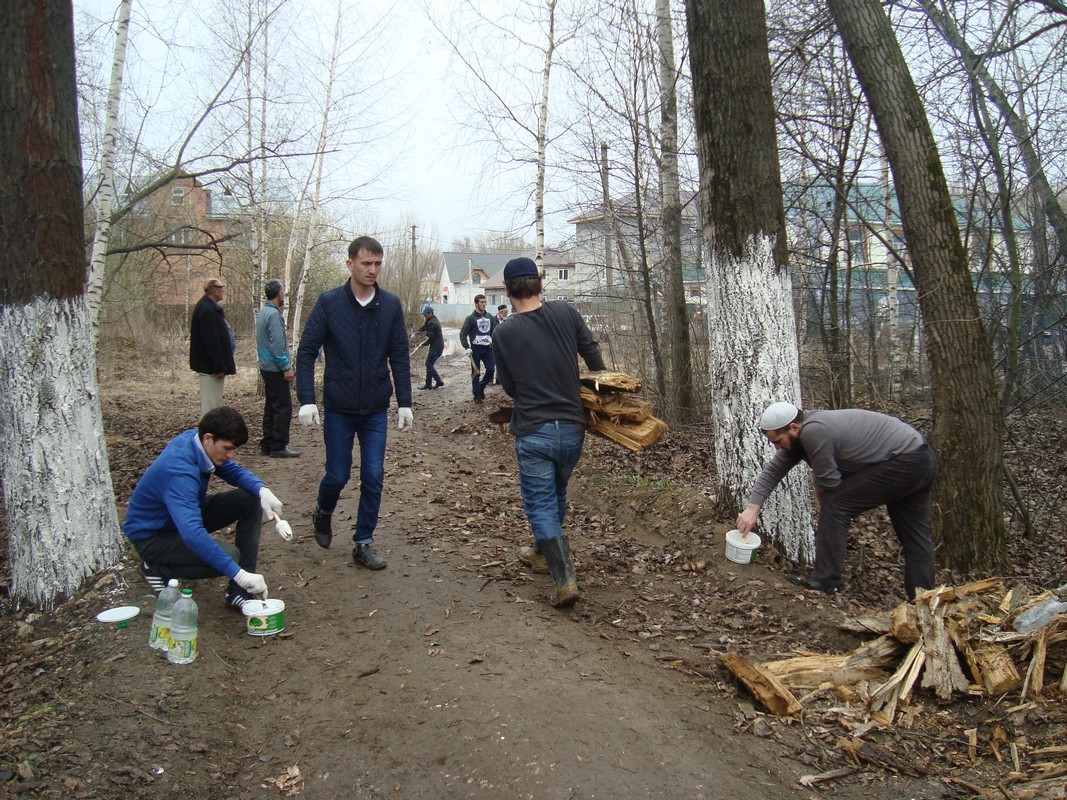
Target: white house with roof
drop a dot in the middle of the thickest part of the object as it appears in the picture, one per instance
(598, 267)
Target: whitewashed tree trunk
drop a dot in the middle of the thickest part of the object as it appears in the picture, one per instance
(752, 361)
(59, 504)
(753, 356)
(61, 519)
(106, 190)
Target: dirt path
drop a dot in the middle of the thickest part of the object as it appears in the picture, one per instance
(445, 675)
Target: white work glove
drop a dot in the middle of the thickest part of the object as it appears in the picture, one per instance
(309, 414)
(404, 418)
(251, 583)
(272, 506)
(284, 530)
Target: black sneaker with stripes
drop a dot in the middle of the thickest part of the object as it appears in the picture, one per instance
(152, 577)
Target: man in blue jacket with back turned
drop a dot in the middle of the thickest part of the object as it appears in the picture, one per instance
(361, 329)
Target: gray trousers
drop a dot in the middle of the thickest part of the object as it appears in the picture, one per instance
(904, 485)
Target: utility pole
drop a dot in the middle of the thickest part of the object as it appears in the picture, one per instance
(413, 249)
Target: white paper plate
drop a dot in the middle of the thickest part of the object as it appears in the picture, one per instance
(118, 614)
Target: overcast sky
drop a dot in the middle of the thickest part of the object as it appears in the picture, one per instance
(436, 171)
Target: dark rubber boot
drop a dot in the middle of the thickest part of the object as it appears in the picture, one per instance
(557, 553)
(323, 528)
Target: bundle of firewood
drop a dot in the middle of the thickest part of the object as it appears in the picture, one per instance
(951, 640)
(612, 410)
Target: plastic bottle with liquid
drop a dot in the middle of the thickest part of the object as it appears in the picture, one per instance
(159, 637)
(183, 629)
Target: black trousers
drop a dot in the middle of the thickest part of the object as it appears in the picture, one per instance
(166, 551)
(277, 411)
(904, 485)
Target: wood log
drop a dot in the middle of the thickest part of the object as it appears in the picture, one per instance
(869, 661)
(885, 698)
(990, 664)
(867, 624)
(905, 623)
(764, 686)
(860, 751)
(620, 381)
(1035, 673)
(942, 673)
(615, 406)
(633, 436)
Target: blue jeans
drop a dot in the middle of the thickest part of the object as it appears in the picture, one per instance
(339, 431)
(546, 460)
(432, 376)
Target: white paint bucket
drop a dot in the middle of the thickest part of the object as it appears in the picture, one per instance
(264, 617)
(741, 551)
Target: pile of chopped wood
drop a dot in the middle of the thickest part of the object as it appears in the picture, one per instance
(612, 410)
(951, 640)
(956, 639)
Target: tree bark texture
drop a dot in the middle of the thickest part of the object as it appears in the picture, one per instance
(967, 427)
(681, 357)
(60, 506)
(753, 358)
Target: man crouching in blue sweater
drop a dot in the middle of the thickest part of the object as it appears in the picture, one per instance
(171, 516)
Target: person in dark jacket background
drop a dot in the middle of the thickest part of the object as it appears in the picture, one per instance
(435, 340)
(211, 345)
(276, 369)
(476, 337)
(360, 328)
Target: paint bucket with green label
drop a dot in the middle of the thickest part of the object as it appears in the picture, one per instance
(740, 549)
(264, 617)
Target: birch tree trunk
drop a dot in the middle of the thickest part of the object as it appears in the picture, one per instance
(60, 506)
(542, 137)
(968, 425)
(753, 357)
(317, 169)
(681, 356)
(106, 190)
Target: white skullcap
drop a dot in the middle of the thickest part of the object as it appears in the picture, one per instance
(778, 415)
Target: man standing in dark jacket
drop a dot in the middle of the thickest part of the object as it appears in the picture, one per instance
(435, 340)
(360, 327)
(211, 345)
(476, 337)
(537, 355)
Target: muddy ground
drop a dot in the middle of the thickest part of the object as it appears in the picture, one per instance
(448, 674)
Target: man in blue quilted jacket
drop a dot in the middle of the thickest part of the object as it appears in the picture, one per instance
(360, 328)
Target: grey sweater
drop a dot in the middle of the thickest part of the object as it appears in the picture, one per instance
(838, 444)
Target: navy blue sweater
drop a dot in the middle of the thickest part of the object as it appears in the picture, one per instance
(362, 345)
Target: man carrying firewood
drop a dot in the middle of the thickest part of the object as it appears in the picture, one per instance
(859, 460)
(536, 357)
